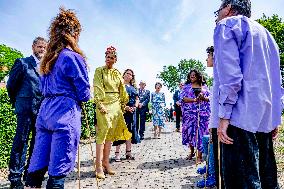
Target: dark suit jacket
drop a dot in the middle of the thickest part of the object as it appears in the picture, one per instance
(176, 97)
(23, 86)
(144, 98)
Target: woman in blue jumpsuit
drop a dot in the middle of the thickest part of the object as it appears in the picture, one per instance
(65, 85)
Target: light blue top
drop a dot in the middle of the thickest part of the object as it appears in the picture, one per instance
(247, 80)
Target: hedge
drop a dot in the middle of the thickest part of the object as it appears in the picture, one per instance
(8, 126)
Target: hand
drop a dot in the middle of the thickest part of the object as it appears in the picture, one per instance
(178, 103)
(133, 109)
(127, 108)
(210, 136)
(222, 131)
(201, 97)
(140, 105)
(103, 110)
(275, 133)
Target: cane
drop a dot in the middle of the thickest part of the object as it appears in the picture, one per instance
(207, 161)
(219, 163)
(92, 152)
(79, 175)
(198, 124)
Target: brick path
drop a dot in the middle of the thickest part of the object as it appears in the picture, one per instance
(160, 163)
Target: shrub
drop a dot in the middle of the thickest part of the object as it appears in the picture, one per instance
(90, 111)
(8, 124)
(7, 128)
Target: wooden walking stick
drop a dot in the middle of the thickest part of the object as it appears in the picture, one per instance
(197, 133)
(207, 159)
(79, 165)
(219, 163)
(89, 139)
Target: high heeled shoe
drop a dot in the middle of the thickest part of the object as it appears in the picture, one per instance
(100, 175)
(109, 170)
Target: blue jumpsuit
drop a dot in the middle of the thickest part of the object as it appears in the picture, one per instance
(58, 123)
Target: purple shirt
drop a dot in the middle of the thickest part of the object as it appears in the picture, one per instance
(247, 81)
(69, 78)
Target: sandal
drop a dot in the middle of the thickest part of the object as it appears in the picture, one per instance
(129, 156)
(117, 157)
(190, 156)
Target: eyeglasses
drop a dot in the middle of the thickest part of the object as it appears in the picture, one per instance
(217, 11)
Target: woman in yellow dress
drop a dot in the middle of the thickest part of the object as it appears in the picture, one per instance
(111, 98)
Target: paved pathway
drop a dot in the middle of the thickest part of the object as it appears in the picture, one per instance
(159, 164)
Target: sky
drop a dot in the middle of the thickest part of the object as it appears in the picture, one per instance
(147, 34)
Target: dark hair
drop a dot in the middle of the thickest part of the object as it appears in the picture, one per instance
(210, 50)
(240, 7)
(158, 83)
(197, 75)
(39, 39)
(132, 81)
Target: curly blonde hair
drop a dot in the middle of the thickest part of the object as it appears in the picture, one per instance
(62, 31)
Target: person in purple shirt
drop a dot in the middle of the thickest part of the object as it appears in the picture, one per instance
(247, 78)
(65, 85)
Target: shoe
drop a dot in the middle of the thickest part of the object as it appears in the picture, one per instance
(190, 156)
(117, 157)
(17, 185)
(155, 136)
(178, 130)
(129, 156)
(201, 170)
(109, 171)
(100, 175)
(210, 182)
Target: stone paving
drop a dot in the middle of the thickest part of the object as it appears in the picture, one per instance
(159, 164)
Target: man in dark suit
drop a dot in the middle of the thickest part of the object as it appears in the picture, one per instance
(23, 87)
(144, 98)
(177, 106)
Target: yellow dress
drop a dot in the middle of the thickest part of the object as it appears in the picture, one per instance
(110, 92)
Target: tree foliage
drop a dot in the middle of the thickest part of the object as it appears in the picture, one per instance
(173, 75)
(275, 26)
(8, 56)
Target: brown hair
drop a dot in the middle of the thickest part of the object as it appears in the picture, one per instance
(132, 81)
(62, 31)
(158, 83)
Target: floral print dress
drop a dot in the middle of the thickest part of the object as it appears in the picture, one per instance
(190, 113)
(158, 113)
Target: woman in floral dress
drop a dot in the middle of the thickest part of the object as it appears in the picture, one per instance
(158, 104)
(194, 100)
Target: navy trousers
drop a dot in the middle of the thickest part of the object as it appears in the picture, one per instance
(249, 163)
(141, 120)
(25, 126)
(178, 115)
